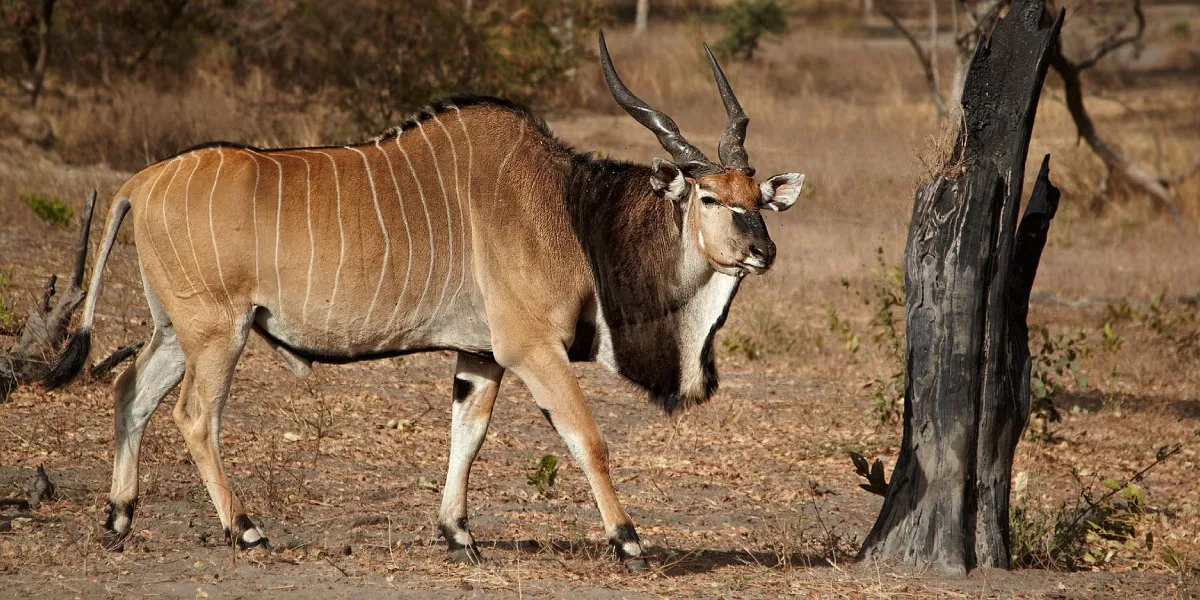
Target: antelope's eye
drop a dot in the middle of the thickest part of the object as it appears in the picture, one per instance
(708, 200)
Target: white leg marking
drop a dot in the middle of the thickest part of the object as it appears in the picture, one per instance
(187, 220)
(449, 224)
(167, 227)
(387, 243)
(500, 171)
(212, 230)
(337, 274)
(462, 226)
(428, 226)
(278, 219)
(407, 234)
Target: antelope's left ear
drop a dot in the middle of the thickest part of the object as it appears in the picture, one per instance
(781, 191)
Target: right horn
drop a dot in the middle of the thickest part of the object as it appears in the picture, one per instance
(667, 132)
(731, 149)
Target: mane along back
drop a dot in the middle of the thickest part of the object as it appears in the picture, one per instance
(437, 107)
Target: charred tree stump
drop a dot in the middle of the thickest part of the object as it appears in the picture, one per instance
(968, 272)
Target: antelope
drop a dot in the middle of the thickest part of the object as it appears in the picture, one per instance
(470, 228)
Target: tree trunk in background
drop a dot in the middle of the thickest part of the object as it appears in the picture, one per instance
(968, 272)
(642, 21)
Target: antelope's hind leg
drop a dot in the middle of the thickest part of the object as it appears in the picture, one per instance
(137, 392)
(476, 383)
(212, 353)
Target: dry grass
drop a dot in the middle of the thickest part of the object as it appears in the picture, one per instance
(749, 496)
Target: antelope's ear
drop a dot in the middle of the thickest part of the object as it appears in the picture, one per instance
(781, 191)
(667, 180)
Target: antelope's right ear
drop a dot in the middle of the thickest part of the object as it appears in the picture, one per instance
(667, 181)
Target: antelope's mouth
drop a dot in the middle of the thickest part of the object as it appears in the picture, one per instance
(753, 265)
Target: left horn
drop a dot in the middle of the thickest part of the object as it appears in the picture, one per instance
(731, 149)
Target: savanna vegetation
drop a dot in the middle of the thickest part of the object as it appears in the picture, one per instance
(751, 495)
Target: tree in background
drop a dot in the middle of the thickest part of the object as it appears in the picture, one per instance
(378, 60)
(642, 20)
(973, 19)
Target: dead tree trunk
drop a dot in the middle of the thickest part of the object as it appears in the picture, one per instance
(968, 272)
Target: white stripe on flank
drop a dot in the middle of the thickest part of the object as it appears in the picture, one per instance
(278, 218)
(312, 246)
(407, 234)
(500, 170)
(254, 217)
(449, 224)
(149, 199)
(387, 242)
(212, 230)
(337, 273)
(187, 221)
(462, 226)
(428, 226)
(167, 228)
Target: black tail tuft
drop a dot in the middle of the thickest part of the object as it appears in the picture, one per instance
(71, 361)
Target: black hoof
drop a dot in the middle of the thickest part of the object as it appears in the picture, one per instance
(113, 541)
(466, 556)
(637, 564)
(242, 525)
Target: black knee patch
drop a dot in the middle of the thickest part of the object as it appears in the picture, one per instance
(546, 413)
(462, 389)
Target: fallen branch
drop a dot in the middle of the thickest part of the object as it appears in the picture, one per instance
(117, 357)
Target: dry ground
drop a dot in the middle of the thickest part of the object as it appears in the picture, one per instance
(749, 496)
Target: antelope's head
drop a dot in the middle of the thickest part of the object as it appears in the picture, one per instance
(720, 202)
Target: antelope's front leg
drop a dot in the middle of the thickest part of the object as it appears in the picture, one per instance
(556, 391)
(476, 383)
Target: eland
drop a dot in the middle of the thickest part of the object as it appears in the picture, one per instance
(468, 228)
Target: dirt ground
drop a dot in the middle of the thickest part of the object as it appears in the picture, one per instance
(749, 496)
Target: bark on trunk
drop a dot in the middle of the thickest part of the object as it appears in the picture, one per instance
(968, 272)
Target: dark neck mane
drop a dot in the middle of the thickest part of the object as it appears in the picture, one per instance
(632, 240)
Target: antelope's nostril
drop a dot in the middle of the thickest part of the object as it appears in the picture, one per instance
(763, 252)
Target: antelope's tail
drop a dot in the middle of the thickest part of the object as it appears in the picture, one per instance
(70, 362)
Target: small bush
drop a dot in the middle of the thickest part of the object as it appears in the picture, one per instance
(748, 21)
(1054, 369)
(1096, 526)
(49, 209)
(1177, 325)
(545, 475)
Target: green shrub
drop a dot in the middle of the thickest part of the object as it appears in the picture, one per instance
(49, 209)
(1090, 530)
(545, 475)
(748, 21)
